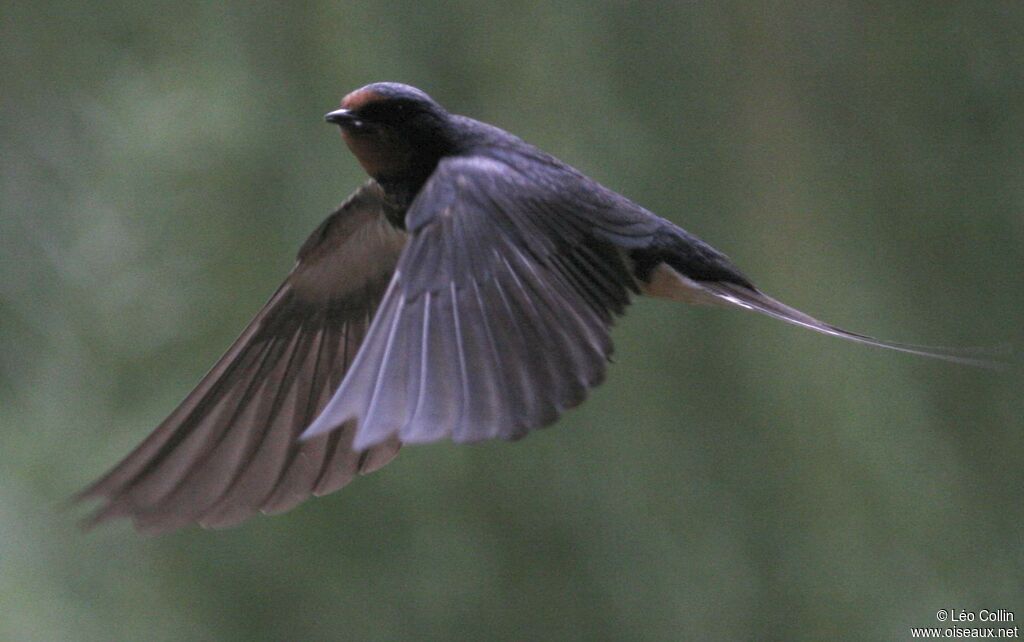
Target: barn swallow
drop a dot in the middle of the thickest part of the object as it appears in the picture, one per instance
(465, 291)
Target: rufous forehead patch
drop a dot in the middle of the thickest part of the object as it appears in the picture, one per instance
(359, 98)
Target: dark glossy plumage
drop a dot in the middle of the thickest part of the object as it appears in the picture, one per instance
(467, 291)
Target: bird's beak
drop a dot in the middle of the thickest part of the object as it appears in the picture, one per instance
(340, 117)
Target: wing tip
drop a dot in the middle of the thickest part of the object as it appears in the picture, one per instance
(322, 425)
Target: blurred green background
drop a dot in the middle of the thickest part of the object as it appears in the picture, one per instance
(734, 478)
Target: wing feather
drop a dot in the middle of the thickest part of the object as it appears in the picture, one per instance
(264, 465)
(211, 471)
(231, 448)
(497, 319)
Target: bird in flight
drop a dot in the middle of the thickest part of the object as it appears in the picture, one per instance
(466, 291)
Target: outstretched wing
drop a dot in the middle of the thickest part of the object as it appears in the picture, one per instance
(231, 448)
(497, 318)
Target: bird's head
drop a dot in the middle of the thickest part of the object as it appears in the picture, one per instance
(394, 130)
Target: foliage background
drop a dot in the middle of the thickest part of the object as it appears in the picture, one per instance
(734, 478)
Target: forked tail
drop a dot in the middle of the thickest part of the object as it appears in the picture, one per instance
(738, 295)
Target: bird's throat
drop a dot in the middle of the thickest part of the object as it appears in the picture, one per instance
(394, 165)
(379, 156)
